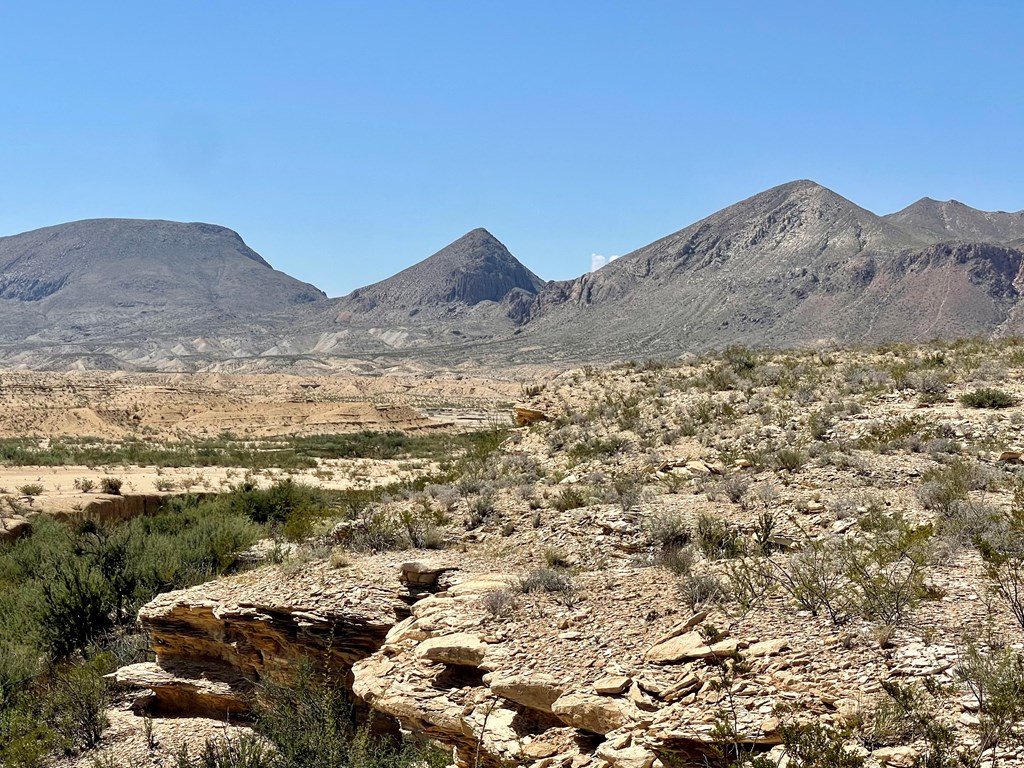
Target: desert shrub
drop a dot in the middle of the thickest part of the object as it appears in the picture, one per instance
(283, 503)
(498, 603)
(111, 485)
(788, 458)
(84, 484)
(716, 539)
(77, 703)
(245, 752)
(987, 397)
(963, 523)
(750, 580)
(996, 681)
(555, 558)
(733, 487)
(764, 532)
(942, 487)
(814, 577)
(930, 385)
(546, 580)
(76, 608)
(310, 721)
(679, 560)
(626, 491)
(376, 531)
(597, 447)
(30, 489)
(701, 590)
(817, 745)
(820, 424)
(887, 436)
(887, 572)
(667, 530)
(570, 497)
(480, 510)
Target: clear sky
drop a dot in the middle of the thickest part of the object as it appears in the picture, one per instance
(347, 140)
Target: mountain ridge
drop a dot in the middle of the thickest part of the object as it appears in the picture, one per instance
(795, 264)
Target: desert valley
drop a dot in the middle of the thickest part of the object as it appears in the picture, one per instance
(751, 495)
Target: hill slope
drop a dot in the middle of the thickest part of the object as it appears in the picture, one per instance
(472, 288)
(121, 279)
(795, 264)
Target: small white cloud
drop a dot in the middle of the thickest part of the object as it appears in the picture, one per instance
(597, 261)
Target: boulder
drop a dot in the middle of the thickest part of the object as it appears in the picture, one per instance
(589, 712)
(612, 685)
(526, 416)
(13, 528)
(536, 692)
(897, 757)
(461, 649)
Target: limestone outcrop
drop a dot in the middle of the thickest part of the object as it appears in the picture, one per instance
(215, 642)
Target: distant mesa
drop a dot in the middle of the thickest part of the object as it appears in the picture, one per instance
(122, 278)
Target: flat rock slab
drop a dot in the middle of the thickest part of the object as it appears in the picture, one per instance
(461, 649)
(689, 647)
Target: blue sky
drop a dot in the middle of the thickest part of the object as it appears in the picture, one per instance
(347, 140)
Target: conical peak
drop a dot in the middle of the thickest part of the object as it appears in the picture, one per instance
(476, 267)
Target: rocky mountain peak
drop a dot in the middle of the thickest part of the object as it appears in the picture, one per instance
(474, 268)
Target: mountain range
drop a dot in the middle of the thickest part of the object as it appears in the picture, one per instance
(797, 264)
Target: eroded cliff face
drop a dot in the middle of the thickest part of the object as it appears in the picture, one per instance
(213, 643)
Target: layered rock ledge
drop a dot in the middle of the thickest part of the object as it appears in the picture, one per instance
(213, 643)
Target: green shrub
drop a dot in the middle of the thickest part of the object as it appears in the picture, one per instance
(667, 531)
(76, 608)
(30, 489)
(245, 752)
(716, 539)
(498, 603)
(679, 560)
(111, 485)
(310, 722)
(78, 701)
(815, 578)
(571, 497)
(789, 459)
(987, 397)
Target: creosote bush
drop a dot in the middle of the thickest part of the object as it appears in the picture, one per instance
(987, 397)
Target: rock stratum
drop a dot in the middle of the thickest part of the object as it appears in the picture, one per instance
(797, 264)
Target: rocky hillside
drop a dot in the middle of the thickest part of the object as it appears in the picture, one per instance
(124, 279)
(930, 219)
(471, 289)
(794, 265)
(667, 566)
